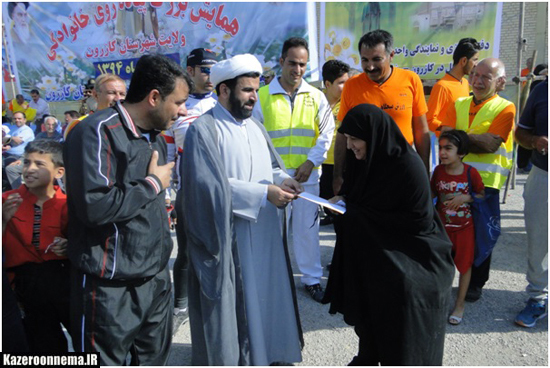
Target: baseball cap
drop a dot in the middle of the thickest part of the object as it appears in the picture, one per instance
(201, 57)
(90, 84)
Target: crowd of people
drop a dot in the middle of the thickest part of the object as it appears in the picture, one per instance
(85, 206)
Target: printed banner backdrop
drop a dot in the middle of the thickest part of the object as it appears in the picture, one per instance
(425, 34)
(56, 47)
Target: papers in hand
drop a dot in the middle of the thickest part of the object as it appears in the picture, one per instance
(339, 207)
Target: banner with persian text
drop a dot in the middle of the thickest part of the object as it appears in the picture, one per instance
(57, 47)
(425, 34)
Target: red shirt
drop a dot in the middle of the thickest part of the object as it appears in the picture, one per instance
(17, 240)
(446, 186)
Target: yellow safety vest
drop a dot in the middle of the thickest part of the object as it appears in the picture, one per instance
(293, 133)
(30, 113)
(337, 123)
(493, 167)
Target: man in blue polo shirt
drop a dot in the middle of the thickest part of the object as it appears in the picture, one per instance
(532, 133)
(21, 135)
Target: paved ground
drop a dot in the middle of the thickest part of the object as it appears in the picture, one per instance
(487, 336)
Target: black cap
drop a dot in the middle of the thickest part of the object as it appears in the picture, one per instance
(201, 57)
(90, 84)
(12, 5)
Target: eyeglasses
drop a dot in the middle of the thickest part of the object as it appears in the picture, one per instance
(205, 70)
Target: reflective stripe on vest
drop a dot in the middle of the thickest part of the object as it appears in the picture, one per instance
(493, 167)
(293, 133)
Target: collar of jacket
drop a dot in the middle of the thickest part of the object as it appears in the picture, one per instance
(129, 123)
(276, 88)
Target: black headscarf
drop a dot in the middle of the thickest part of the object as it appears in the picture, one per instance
(391, 184)
(392, 269)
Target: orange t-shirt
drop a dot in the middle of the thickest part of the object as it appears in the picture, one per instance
(524, 73)
(501, 126)
(401, 96)
(444, 93)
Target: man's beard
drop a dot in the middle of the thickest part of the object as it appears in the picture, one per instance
(24, 33)
(237, 110)
(158, 121)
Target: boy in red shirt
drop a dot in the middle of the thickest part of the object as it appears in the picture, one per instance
(34, 224)
(450, 186)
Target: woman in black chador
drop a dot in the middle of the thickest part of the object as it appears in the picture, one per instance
(392, 268)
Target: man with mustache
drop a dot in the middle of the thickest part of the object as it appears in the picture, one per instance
(12, 153)
(397, 91)
(242, 302)
(108, 89)
(51, 124)
(299, 121)
(119, 238)
(488, 119)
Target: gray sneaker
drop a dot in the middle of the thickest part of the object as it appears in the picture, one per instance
(180, 319)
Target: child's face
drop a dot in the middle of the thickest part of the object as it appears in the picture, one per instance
(39, 170)
(448, 152)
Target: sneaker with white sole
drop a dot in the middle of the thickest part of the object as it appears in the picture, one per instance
(533, 311)
(179, 319)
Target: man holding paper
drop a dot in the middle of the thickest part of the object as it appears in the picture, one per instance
(242, 302)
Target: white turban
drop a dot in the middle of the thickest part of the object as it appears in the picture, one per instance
(234, 67)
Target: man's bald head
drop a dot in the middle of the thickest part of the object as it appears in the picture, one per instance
(487, 78)
(496, 65)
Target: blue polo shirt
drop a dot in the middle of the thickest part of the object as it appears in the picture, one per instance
(25, 133)
(535, 119)
(55, 137)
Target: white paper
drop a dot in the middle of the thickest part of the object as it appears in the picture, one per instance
(339, 207)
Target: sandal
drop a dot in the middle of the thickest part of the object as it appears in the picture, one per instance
(454, 320)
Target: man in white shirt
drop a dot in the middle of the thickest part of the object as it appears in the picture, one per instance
(41, 106)
(202, 99)
(300, 123)
(12, 153)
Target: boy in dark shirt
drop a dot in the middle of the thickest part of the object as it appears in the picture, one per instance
(34, 224)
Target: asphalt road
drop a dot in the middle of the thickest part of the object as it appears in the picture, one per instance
(486, 337)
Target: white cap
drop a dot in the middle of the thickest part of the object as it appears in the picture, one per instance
(234, 67)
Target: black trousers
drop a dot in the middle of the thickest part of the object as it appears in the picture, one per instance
(325, 182)
(43, 289)
(480, 274)
(115, 318)
(181, 265)
(13, 332)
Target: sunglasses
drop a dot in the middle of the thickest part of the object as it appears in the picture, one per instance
(205, 70)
